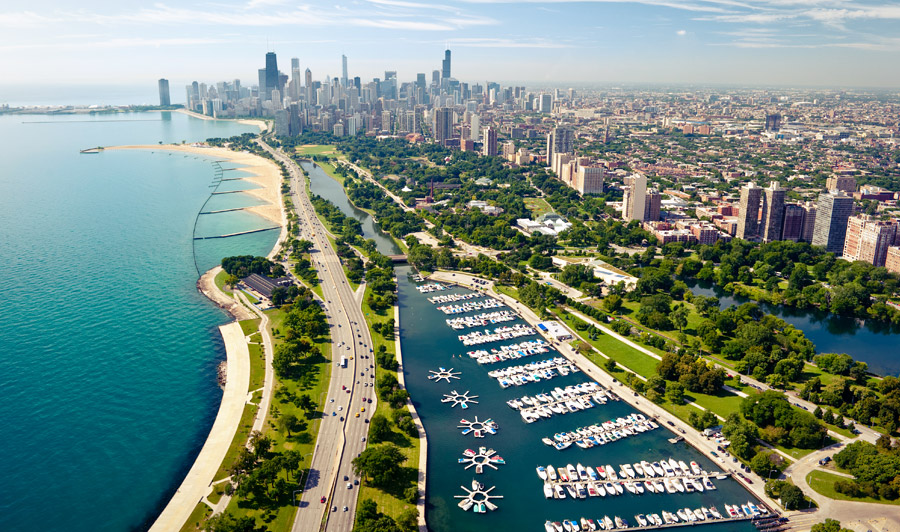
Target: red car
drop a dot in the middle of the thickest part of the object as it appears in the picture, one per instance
(322, 500)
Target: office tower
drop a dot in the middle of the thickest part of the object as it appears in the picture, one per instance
(262, 84)
(420, 80)
(747, 227)
(490, 141)
(809, 221)
(546, 103)
(344, 71)
(296, 81)
(443, 124)
(832, 212)
(445, 65)
(475, 128)
(792, 226)
(868, 240)
(652, 206)
(635, 199)
(282, 123)
(845, 183)
(164, 99)
(436, 77)
(560, 140)
(272, 78)
(773, 122)
(772, 213)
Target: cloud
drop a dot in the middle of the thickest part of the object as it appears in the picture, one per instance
(681, 33)
(131, 42)
(489, 42)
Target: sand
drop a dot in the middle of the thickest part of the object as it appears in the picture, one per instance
(261, 124)
(264, 173)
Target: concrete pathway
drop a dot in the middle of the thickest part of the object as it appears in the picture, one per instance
(198, 482)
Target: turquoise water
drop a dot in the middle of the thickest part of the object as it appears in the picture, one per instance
(429, 343)
(871, 341)
(109, 352)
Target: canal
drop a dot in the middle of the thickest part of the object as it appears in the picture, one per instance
(869, 341)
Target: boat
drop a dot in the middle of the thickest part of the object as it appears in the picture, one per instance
(563, 476)
(548, 527)
(572, 472)
(639, 470)
(641, 520)
(700, 514)
(547, 441)
(698, 485)
(579, 489)
(707, 483)
(466, 504)
(649, 470)
(548, 490)
(690, 515)
(608, 522)
(649, 486)
(609, 488)
(684, 467)
(571, 490)
(660, 472)
(753, 508)
(695, 467)
(686, 482)
(592, 490)
(559, 492)
(562, 445)
(707, 513)
(618, 487)
(610, 472)
(551, 473)
(715, 513)
(477, 486)
(656, 519)
(683, 516)
(629, 471)
(746, 510)
(542, 472)
(582, 472)
(592, 474)
(620, 523)
(630, 487)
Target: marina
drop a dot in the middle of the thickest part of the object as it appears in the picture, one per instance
(500, 333)
(602, 433)
(488, 318)
(435, 345)
(430, 287)
(453, 298)
(559, 401)
(443, 375)
(478, 460)
(533, 372)
(485, 304)
(680, 517)
(477, 499)
(506, 353)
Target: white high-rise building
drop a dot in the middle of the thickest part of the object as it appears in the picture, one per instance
(635, 197)
(475, 128)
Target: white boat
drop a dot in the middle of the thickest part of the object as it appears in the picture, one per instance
(570, 489)
(715, 513)
(683, 516)
(630, 487)
(572, 472)
(629, 471)
(700, 514)
(649, 470)
(698, 485)
(639, 470)
(547, 441)
(551, 473)
(582, 472)
(708, 484)
(684, 467)
(649, 486)
(466, 504)
(641, 520)
(610, 472)
(618, 487)
(656, 519)
(608, 522)
(620, 523)
(559, 492)
(695, 467)
(542, 472)
(548, 527)
(548, 490)
(579, 489)
(690, 515)
(609, 488)
(660, 472)
(592, 474)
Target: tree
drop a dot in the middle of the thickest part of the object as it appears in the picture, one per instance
(829, 525)
(278, 296)
(227, 522)
(612, 303)
(675, 393)
(381, 463)
(291, 423)
(610, 365)
(791, 497)
(379, 428)
(231, 281)
(408, 520)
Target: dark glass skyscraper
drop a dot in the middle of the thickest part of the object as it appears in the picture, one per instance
(445, 65)
(164, 99)
(272, 79)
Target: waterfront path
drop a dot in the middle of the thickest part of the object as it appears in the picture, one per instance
(198, 482)
(341, 434)
(639, 402)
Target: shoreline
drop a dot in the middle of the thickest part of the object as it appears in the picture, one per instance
(261, 124)
(264, 173)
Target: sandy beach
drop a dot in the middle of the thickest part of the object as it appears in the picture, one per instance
(263, 172)
(261, 124)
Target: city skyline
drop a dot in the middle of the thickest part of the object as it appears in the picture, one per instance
(772, 42)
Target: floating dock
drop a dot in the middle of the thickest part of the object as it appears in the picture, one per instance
(478, 460)
(477, 499)
(443, 374)
(461, 399)
(478, 428)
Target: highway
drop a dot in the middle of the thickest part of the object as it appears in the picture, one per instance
(342, 434)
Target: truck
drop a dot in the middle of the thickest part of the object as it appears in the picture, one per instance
(343, 362)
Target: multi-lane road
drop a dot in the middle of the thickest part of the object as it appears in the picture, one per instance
(342, 434)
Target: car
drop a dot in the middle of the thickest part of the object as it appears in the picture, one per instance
(356, 481)
(345, 508)
(363, 409)
(346, 478)
(332, 400)
(357, 414)
(342, 418)
(714, 453)
(365, 384)
(670, 423)
(334, 413)
(363, 438)
(370, 400)
(322, 499)
(340, 407)
(342, 388)
(349, 486)
(367, 420)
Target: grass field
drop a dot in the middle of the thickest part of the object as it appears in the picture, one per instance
(823, 483)
(640, 363)
(324, 149)
(537, 206)
(389, 503)
(220, 282)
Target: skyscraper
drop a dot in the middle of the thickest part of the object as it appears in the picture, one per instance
(272, 78)
(772, 213)
(635, 200)
(792, 227)
(295, 78)
(490, 141)
(475, 128)
(344, 71)
(164, 99)
(832, 212)
(773, 122)
(868, 239)
(445, 65)
(308, 84)
(443, 124)
(560, 140)
(747, 227)
(546, 103)
(652, 205)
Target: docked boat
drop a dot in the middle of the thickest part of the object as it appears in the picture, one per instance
(695, 467)
(579, 489)
(559, 492)
(641, 520)
(629, 471)
(656, 519)
(592, 474)
(690, 515)
(571, 472)
(707, 483)
(620, 523)
(466, 504)
(563, 476)
(570, 489)
(548, 527)
(681, 515)
(542, 472)
(639, 470)
(746, 510)
(649, 486)
(699, 514)
(608, 522)
(582, 472)
(715, 513)
(660, 472)
(630, 487)
(548, 490)
(609, 488)
(547, 441)
(610, 472)
(551, 473)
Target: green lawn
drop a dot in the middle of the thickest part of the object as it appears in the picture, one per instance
(795, 452)
(537, 206)
(329, 169)
(641, 363)
(324, 149)
(195, 521)
(390, 504)
(219, 279)
(823, 483)
(723, 403)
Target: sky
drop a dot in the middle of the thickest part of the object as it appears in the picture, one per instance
(49, 43)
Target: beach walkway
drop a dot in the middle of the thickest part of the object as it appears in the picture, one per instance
(199, 479)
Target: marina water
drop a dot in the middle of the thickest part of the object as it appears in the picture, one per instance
(109, 352)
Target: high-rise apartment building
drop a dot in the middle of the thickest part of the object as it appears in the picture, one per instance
(652, 205)
(832, 212)
(588, 179)
(164, 98)
(490, 141)
(868, 239)
(445, 65)
(792, 226)
(635, 200)
(892, 261)
(344, 71)
(773, 122)
(809, 221)
(443, 124)
(273, 81)
(475, 128)
(772, 213)
(844, 183)
(546, 103)
(748, 227)
(560, 140)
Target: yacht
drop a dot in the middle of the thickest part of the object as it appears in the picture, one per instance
(707, 483)
(620, 523)
(681, 515)
(649, 486)
(641, 520)
(608, 522)
(630, 487)
(551, 473)
(684, 467)
(610, 472)
(559, 492)
(660, 472)
(695, 467)
(609, 488)
(699, 514)
(715, 513)
(628, 471)
(582, 472)
(690, 515)
(547, 441)
(656, 519)
(639, 470)
(572, 472)
(649, 470)
(570, 489)
(548, 490)
(542, 472)
(592, 474)
(618, 487)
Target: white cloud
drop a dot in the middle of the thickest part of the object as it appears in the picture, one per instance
(681, 33)
(507, 43)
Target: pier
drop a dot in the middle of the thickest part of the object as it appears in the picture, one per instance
(461, 399)
(478, 428)
(225, 210)
(231, 192)
(238, 233)
(477, 499)
(484, 457)
(443, 375)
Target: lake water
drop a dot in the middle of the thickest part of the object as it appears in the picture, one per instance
(109, 352)
(428, 343)
(323, 185)
(871, 341)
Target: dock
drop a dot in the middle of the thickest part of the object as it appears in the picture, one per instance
(225, 210)
(231, 192)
